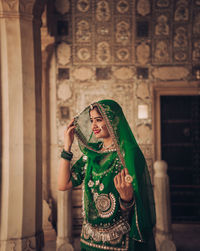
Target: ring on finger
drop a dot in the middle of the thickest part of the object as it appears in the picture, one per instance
(128, 178)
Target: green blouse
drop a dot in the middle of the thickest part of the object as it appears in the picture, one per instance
(105, 225)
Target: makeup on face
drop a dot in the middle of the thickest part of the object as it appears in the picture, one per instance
(98, 124)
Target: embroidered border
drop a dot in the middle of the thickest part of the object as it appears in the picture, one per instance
(125, 248)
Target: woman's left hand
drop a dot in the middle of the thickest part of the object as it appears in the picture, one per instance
(125, 189)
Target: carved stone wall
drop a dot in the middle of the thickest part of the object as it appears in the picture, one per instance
(121, 50)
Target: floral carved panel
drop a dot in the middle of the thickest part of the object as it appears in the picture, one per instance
(196, 24)
(181, 37)
(83, 5)
(83, 31)
(83, 54)
(181, 11)
(103, 12)
(123, 34)
(161, 51)
(196, 51)
(122, 6)
(143, 7)
(162, 25)
(162, 3)
(103, 52)
(143, 53)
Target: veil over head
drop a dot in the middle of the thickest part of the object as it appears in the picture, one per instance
(143, 213)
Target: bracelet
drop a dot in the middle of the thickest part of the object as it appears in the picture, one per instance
(66, 155)
(125, 204)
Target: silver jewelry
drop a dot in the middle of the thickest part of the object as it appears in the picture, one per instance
(108, 147)
(128, 179)
(85, 158)
(126, 204)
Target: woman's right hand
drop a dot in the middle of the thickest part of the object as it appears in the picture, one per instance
(69, 136)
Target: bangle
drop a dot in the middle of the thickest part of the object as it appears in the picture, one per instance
(66, 155)
(125, 204)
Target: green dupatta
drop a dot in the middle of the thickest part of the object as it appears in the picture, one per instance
(143, 213)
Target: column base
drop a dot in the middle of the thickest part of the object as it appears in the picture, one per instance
(24, 244)
(163, 240)
(63, 245)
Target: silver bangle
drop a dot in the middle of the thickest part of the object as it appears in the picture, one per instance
(125, 204)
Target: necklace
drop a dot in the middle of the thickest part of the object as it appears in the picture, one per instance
(108, 147)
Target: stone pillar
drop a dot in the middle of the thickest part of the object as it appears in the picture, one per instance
(64, 226)
(21, 167)
(47, 46)
(162, 202)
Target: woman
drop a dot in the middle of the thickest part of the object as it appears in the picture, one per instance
(118, 204)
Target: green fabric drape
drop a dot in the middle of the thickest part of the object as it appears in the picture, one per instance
(142, 219)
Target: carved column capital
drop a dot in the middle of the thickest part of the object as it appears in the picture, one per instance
(17, 7)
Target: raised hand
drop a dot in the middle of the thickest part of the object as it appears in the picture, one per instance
(69, 136)
(124, 188)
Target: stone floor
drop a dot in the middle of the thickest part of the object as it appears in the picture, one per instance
(186, 238)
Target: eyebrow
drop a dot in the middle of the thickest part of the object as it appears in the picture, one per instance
(96, 117)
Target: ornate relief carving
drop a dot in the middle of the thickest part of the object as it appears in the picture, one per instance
(196, 51)
(123, 94)
(103, 30)
(102, 11)
(123, 33)
(83, 31)
(142, 91)
(144, 133)
(162, 26)
(181, 11)
(123, 54)
(10, 4)
(82, 73)
(103, 52)
(28, 246)
(161, 51)
(26, 6)
(64, 91)
(23, 6)
(122, 6)
(143, 7)
(162, 3)
(170, 73)
(180, 37)
(196, 26)
(143, 53)
(83, 5)
(63, 53)
(123, 73)
(13, 246)
(62, 6)
(147, 150)
(84, 54)
(180, 55)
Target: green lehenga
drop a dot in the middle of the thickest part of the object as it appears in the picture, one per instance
(105, 225)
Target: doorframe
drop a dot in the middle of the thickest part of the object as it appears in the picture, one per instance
(156, 111)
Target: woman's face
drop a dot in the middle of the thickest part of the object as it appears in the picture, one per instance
(98, 124)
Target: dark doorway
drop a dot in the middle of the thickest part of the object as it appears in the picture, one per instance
(180, 147)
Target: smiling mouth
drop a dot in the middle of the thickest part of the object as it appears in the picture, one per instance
(97, 131)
